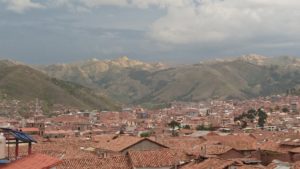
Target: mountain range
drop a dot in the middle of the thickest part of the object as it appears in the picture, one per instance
(131, 81)
(106, 84)
(22, 82)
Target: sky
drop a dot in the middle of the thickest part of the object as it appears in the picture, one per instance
(172, 31)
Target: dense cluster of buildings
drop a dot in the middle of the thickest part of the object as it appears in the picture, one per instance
(206, 135)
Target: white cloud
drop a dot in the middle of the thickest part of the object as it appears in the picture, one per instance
(72, 5)
(20, 6)
(200, 21)
(122, 3)
(213, 21)
(95, 3)
(159, 3)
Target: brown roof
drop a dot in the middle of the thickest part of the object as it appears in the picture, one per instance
(238, 142)
(215, 149)
(103, 138)
(296, 165)
(182, 143)
(291, 142)
(33, 161)
(212, 163)
(251, 167)
(157, 158)
(186, 131)
(274, 146)
(119, 143)
(65, 147)
(123, 142)
(117, 162)
(29, 129)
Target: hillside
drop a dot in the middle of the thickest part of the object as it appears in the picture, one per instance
(120, 78)
(227, 80)
(18, 81)
(236, 78)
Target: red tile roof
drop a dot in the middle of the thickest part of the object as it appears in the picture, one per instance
(238, 142)
(33, 161)
(119, 143)
(157, 158)
(274, 146)
(182, 143)
(212, 163)
(214, 149)
(251, 167)
(123, 142)
(32, 129)
(61, 147)
(296, 165)
(117, 162)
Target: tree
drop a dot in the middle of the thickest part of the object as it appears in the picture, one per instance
(251, 114)
(200, 127)
(186, 127)
(173, 124)
(243, 124)
(262, 117)
(145, 134)
(209, 127)
(285, 110)
(206, 128)
(244, 117)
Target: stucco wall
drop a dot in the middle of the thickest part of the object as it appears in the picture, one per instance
(144, 145)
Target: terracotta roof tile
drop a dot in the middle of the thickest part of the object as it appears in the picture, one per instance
(117, 162)
(273, 146)
(296, 165)
(212, 163)
(238, 142)
(29, 129)
(120, 143)
(182, 143)
(252, 167)
(214, 149)
(65, 147)
(33, 161)
(157, 158)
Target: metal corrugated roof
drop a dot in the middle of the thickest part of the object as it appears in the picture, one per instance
(19, 135)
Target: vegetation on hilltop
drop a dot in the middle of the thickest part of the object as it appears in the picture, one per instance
(130, 81)
(21, 82)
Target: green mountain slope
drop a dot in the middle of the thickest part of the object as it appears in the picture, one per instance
(119, 78)
(21, 82)
(239, 78)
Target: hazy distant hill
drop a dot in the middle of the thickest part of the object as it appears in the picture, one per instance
(18, 81)
(120, 78)
(283, 61)
(134, 81)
